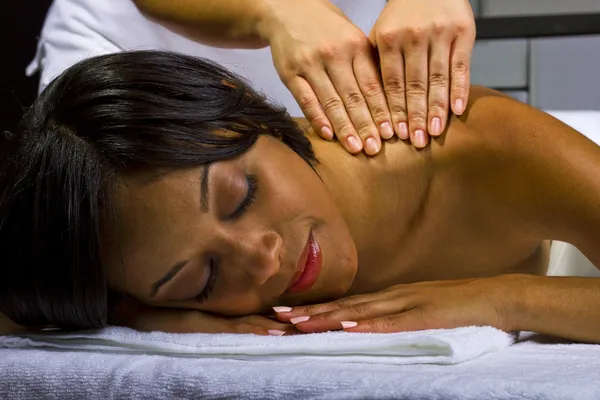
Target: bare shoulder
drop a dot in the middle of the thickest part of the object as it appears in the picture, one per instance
(541, 172)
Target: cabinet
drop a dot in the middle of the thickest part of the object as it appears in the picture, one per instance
(550, 73)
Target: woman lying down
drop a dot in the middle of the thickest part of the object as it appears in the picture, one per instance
(160, 192)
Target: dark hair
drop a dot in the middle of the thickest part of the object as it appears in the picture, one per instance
(106, 116)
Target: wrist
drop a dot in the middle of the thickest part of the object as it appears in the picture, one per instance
(510, 295)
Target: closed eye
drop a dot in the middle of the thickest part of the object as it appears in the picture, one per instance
(252, 185)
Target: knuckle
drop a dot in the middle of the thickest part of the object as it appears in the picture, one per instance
(354, 99)
(438, 79)
(416, 35)
(344, 303)
(416, 88)
(329, 52)
(366, 131)
(332, 103)
(372, 89)
(439, 28)
(460, 66)
(383, 323)
(307, 102)
(416, 117)
(345, 130)
(388, 39)
(394, 83)
(437, 106)
(464, 28)
(357, 41)
(380, 114)
(363, 308)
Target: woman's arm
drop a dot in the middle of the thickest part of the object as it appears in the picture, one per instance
(222, 23)
(549, 176)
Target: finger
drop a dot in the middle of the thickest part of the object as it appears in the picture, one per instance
(342, 76)
(392, 74)
(371, 87)
(310, 106)
(410, 320)
(460, 74)
(362, 311)
(335, 110)
(415, 56)
(439, 84)
(286, 313)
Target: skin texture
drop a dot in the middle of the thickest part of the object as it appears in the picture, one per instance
(451, 236)
(330, 66)
(470, 216)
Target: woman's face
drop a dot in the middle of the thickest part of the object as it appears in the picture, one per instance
(231, 238)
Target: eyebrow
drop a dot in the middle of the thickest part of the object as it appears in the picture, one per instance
(204, 206)
(168, 276)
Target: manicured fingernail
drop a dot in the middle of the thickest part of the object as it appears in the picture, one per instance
(420, 140)
(281, 309)
(458, 107)
(403, 128)
(436, 126)
(372, 146)
(275, 332)
(354, 144)
(297, 320)
(326, 133)
(348, 324)
(386, 130)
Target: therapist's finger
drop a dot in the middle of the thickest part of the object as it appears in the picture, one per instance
(417, 77)
(460, 59)
(392, 73)
(310, 106)
(370, 84)
(343, 77)
(335, 109)
(439, 84)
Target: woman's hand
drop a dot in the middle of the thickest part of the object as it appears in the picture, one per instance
(328, 65)
(425, 51)
(135, 315)
(411, 307)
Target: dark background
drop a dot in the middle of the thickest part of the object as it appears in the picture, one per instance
(20, 25)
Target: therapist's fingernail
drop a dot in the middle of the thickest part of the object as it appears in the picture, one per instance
(348, 324)
(403, 128)
(282, 309)
(458, 106)
(420, 140)
(297, 320)
(372, 146)
(386, 130)
(353, 144)
(326, 133)
(275, 332)
(436, 126)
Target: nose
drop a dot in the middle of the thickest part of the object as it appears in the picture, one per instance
(259, 254)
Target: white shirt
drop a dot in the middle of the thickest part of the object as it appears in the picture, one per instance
(78, 29)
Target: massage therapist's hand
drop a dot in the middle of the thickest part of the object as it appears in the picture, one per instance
(146, 318)
(425, 51)
(327, 63)
(410, 307)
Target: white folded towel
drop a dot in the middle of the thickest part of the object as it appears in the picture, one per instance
(445, 346)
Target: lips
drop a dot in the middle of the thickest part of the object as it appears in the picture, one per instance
(308, 268)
